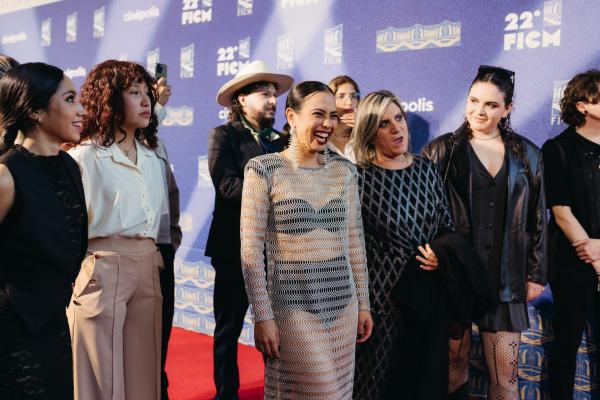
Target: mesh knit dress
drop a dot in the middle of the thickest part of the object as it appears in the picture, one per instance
(309, 222)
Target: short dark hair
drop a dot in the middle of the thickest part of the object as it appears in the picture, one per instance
(584, 87)
(339, 80)
(6, 63)
(236, 110)
(25, 89)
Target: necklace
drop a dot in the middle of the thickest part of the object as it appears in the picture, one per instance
(128, 150)
(490, 138)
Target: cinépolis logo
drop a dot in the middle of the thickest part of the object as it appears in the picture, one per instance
(141, 15)
(196, 11)
(12, 38)
(46, 32)
(231, 58)
(532, 29)
(417, 37)
(79, 72)
(422, 104)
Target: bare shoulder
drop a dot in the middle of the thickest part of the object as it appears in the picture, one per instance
(7, 191)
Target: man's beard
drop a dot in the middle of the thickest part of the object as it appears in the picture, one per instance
(266, 122)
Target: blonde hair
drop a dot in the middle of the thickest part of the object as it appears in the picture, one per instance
(368, 117)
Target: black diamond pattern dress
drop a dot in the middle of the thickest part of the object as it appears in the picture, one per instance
(401, 210)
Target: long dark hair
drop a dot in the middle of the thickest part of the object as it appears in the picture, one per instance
(504, 80)
(25, 89)
(298, 95)
(102, 98)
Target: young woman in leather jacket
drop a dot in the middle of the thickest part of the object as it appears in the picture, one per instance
(493, 179)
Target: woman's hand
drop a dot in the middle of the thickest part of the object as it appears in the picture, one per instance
(266, 338)
(429, 261)
(348, 119)
(588, 249)
(534, 290)
(365, 326)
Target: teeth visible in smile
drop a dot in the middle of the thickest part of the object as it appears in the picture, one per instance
(322, 135)
(77, 124)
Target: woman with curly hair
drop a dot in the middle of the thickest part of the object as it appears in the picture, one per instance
(493, 179)
(115, 312)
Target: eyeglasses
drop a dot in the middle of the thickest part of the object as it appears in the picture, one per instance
(501, 72)
(351, 96)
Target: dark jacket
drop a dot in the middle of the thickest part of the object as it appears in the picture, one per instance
(230, 147)
(38, 263)
(523, 257)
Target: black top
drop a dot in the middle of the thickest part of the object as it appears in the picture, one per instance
(63, 186)
(572, 178)
(401, 209)
(230, 147)
(487, 214)
(43, 238)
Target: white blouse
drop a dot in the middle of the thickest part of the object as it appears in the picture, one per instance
(122, 198)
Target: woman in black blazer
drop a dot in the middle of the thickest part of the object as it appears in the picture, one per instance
(43, 231)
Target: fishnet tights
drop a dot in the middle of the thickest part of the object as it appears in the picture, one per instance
(501, 351)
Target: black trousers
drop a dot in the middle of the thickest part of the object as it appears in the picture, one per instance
(167, 287)
(575, 300)
(230, 305)
(35, 366)
(422, 363)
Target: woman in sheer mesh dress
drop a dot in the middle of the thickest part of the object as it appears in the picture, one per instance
(403, 209)
(310, 304)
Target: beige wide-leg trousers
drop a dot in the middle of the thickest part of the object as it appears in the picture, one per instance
(115, 320)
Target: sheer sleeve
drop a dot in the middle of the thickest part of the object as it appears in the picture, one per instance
(356, 239)
(254, 217)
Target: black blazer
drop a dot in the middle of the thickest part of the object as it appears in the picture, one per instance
(525, 231)
(230, 147)
(38, 263)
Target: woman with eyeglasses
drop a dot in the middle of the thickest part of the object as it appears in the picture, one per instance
(493, 178)
(347, 96)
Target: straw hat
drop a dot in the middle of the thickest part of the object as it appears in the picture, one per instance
(256, 71)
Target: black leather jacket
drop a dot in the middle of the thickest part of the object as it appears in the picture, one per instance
(523, 257)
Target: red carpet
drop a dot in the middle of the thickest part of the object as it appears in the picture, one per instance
(190, 368)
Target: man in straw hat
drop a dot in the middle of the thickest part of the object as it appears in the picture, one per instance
(251, 97)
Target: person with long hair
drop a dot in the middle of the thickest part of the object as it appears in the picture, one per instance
(43, 231)
(493, 178)
(572, 177)
(403, 208)
(115, 313)
(310, 302)
(347, 96)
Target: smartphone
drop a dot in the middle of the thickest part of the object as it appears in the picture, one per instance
(160, 71)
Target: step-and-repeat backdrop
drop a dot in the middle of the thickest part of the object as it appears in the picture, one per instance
(425, 51)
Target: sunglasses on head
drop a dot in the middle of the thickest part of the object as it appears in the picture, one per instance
(501, 72)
